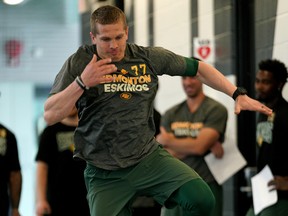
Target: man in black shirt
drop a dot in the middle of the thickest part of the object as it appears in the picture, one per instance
(60, 181)
(10, 174)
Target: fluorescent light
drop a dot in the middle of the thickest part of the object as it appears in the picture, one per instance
(13, 2)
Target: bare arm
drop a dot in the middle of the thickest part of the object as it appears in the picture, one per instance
(58, 106)
(206, 138)
(15, 186)
(42, 205)
(213, 78)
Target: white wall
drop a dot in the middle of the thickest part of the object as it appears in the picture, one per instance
(141, 22)
(280, 49)
(172, 31)
(17, 113)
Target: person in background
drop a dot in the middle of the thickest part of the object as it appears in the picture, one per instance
(10, 174)
(60, 187)
(271, 132)
(192, 129)
(279, 183)
(113, 85)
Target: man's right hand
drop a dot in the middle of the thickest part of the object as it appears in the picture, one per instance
(95, 72)
(43, 208)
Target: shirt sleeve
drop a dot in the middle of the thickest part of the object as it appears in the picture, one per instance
(170, 63)
(46, 146)
(166, 120)
(191, 67)
(72, 68)
(12, 152)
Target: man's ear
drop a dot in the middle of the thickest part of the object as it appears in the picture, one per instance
(127, 31)
(93, 38)
(280, 86)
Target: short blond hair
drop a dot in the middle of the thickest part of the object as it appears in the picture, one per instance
(107, 14)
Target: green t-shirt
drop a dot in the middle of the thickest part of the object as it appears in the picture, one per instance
(183, 123)
(116, 127)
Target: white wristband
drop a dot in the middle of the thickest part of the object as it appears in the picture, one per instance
(81, 84)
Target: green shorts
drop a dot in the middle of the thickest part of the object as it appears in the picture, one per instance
(113, 192)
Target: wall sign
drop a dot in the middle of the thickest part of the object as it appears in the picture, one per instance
(204, 49)
(13, 50)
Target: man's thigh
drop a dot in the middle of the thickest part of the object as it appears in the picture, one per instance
(107, 192)
(158, 176)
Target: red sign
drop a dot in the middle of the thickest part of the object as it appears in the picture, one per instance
(13, 49)
(204, 51)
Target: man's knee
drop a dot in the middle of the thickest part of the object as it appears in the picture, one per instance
(195, 198)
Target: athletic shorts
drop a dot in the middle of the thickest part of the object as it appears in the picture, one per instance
(113, 192)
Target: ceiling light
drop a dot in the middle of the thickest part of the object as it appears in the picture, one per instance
(13, 2)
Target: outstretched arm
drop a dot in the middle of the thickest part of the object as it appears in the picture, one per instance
(213, 78)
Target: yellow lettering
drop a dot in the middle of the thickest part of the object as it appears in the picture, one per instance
(143, 67)
(135, 69)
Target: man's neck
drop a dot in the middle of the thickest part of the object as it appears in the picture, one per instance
(194, 102)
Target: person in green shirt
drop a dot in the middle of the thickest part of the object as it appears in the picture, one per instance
(190, 130)
(113, 84)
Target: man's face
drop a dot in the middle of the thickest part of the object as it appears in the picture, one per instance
(191, 86)
(111, 40)
(266, 86)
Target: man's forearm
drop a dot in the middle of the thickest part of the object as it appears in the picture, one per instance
(15, 186)
(213, 78)
(58, 106)
(41, 180)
